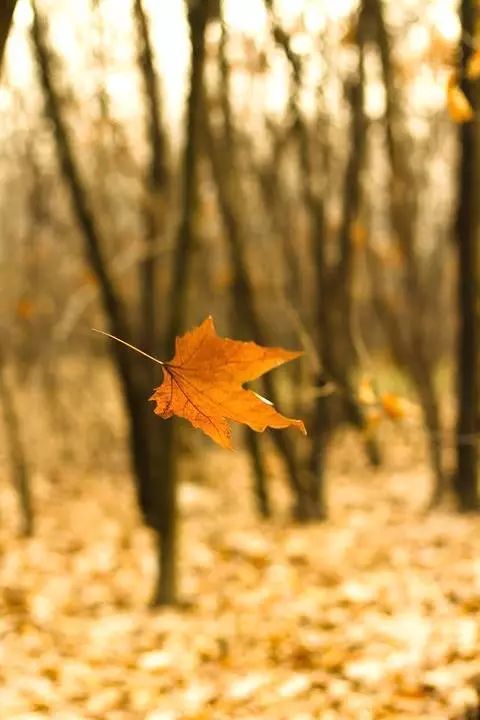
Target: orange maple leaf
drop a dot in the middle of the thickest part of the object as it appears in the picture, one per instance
(203, 384)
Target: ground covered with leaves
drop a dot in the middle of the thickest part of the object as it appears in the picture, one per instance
(374, 614)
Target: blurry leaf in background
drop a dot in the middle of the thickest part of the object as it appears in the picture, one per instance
(384, 405)
(473, 66)
(87, 277)
(393, 406)
(458, 105)
(366, 394)
(358, 234)
(223, 279)
(25, 309)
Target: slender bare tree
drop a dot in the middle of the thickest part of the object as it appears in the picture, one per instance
(152, 443)
(16, 452)
(468, 238)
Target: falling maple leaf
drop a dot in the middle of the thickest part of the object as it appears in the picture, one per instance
(203, 384)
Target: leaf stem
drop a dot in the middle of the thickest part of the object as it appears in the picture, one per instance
(132, 347)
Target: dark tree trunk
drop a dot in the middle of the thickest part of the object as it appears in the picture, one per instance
(157, 183)
(16, 452)
(198, 14)
(333, 327)
(7, 8)
(405, 197)
(245, 301)
(149, 443)
(253, 442)
(468, 225)
(260, 486)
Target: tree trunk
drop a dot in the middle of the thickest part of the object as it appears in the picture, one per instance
(404, 203)
(157, 182)
(16, 452)
(245, 302)
(7, 8)
(260, 486)
(331, 340)
(468, 225)
(149, 447)
(198, 14)
(253, 442)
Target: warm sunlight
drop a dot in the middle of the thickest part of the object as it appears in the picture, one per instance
(239, 360)
(69, 28)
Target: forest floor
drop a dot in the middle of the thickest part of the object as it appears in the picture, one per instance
(373, 614)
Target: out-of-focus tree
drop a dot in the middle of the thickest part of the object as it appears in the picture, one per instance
(332, 320)
(468, 238)
(16, 451)
(221, 152)
(152, 444)
(407, 334)
(7, 8)
(307, 224)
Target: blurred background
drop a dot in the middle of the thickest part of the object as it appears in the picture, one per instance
(304, 171)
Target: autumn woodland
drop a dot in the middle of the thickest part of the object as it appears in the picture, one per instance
(239, 359)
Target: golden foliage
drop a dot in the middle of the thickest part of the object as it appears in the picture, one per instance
(374, 614)
(386, 405)
(393, 406)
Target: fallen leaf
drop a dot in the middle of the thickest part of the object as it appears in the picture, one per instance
(162, 715)
(156, 660)
(242, 689)
(197, 695)
(294, 686)
(203, 384)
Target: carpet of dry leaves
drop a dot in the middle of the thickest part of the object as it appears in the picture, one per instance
(374, 614)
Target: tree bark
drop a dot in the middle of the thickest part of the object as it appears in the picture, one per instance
(333, 328)
(245, 301)
(198, 14)
(468, 226)
(260, 485)
(253, 442)
(157, 183)
(17, 455)
(7, 8)
(404, 202)
(149, 446)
